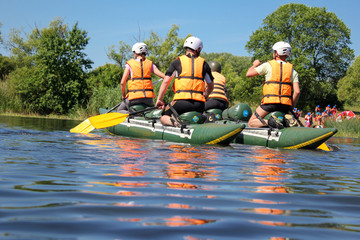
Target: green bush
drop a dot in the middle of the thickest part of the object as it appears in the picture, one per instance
(103, 97)
(346, 128)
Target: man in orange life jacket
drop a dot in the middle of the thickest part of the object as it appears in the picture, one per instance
(280, 80)
(189, 87)
(140, 87)
(218, 97)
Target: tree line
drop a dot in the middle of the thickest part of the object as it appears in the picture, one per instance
(48, 70)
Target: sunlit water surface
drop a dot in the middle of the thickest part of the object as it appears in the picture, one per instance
(59, 185)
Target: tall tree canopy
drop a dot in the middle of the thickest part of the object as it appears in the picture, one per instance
(320, 48)
(234, 69)
(53, 77)
(349, 86)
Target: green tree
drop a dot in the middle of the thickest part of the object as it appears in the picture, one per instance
(123, 54)
(6, 66)
(108, 75)
(233, 68)
(56, 81)
(104, 87)
(22, 51)
(163, 52)
(349, 86)
(320, 41)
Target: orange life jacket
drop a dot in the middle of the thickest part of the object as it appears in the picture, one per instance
(219, 87)
(190, 84)
(140, 85)
(278, 89)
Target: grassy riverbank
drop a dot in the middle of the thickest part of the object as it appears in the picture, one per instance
(32, 115)
(346, 128)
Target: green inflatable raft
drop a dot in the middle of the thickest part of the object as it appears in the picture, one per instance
(194, 132)
(287, 138)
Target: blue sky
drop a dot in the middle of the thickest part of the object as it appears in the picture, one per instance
(223, 26)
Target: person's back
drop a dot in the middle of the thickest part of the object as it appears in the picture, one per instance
(140, 89)
(218, 97)
(280, 80)
(189, 86)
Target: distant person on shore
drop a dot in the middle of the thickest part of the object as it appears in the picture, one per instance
(140, 88)
(318, 118)
(334, 111)
(327, 109)
(308, 119)
(280, 80)
(317, 109)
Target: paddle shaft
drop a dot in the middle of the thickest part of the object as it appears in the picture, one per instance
(144, 110)
(114, 107)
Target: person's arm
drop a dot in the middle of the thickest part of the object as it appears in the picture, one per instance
(209, 89)
(123, 81)
(158, 72)
(252, 72)
(166, 82)
(163, 88)
(296, 94)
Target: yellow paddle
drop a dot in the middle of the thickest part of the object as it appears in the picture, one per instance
(324, 147)
(104, 120)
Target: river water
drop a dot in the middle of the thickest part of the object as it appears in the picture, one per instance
(59, 185)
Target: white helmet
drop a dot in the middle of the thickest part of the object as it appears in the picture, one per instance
(282, 48)
(139, 48)
(194, 43)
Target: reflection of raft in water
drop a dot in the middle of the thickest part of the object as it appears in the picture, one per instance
(151, 128)
(288, 138)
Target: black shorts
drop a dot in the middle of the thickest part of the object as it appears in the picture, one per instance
(147, 101)
(276, 107)
(216, 103)
(182, 106)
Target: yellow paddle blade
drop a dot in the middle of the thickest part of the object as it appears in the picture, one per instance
(107, 119)
(84, 127)
(324, 147)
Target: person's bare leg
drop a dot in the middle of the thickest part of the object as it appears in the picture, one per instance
(165, 120)
(254, 121)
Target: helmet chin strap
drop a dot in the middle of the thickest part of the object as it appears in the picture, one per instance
(276, 54)
(198, 52)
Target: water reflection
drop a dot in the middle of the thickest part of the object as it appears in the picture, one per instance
(179, 165)
(186, 162)
(270, 170)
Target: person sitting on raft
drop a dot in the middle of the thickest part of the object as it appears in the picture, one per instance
(189, 86)
(280, 80)
(140, 86)
(218, 97)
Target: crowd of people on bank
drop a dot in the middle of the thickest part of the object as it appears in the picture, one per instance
(317, 118)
